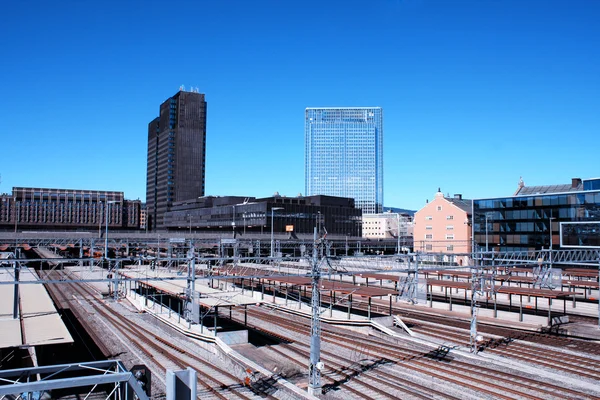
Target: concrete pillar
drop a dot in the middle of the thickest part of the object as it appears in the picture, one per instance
(521, 308)
(349, 306)
(495, 305)
(430, 295)
(215, 319)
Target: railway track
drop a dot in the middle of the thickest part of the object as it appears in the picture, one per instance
(553, 340)
(481, 381)
(213, 382)
(578, 365)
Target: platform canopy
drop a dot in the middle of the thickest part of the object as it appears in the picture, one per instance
(38, 323)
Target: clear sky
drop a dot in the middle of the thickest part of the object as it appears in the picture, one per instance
(475, 93)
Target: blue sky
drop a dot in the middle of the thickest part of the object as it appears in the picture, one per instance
(475, 93)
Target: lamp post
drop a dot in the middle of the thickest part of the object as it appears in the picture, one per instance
(346, 245)
(398, 231)
(550, 258)
(272, 211)
(108, 203)
(487, 215)
(16, 215)
(190, 217)
(550, 229)
(233, 221)
(318, 222)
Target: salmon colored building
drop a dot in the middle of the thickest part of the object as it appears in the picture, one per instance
(443, 227)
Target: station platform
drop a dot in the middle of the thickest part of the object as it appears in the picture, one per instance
(38, 322)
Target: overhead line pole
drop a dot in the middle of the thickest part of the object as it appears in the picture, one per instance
(315, 366)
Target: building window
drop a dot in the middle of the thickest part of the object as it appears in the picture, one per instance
(450, 248)
(439, 208)
(429, 247)
(429, 227)
(429, 236)
(450, 237)
(428, 218)
(449, 227)
(450, 217)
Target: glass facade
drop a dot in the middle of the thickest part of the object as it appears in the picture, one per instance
(344, 155)
(581, 234)
(591, 184)
(531, 222)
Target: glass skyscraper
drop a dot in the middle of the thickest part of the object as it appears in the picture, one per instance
(344, 154)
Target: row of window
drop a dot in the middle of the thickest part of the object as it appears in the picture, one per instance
(547, 200)
(448, 217)
(449, 236)
(429, 247)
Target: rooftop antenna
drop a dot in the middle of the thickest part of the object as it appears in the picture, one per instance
(181, 88)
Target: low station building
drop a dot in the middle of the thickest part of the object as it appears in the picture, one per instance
(292, 215)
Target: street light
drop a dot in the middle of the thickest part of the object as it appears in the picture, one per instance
(244, 216)
(487, 214)
(17, 215)
(108, 203)
(233, 221)
(398, 231)
(346, 245)
(190, 217)
(550, 228)
(272, 210)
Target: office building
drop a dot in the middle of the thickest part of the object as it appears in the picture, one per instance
(444, 226)
(176, 154)
(143, 217)
(387, 225)
(534, 216)
(344, 155)
(291, 216)
(66, 209)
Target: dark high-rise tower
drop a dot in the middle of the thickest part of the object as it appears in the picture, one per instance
(176, 154)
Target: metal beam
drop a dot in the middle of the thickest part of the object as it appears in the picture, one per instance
(103, 372)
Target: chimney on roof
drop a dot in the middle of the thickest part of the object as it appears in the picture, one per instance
(458, 196)
(575, 182)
